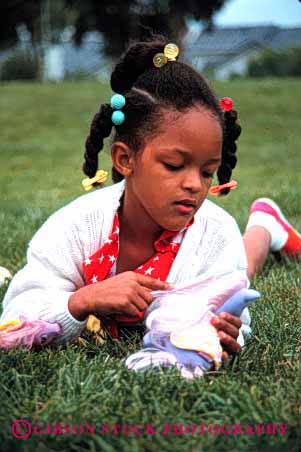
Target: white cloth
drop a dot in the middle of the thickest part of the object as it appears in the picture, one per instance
(179, 324)
(178, 308)
(41, 290)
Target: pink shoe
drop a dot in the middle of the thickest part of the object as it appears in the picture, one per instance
(265, 212)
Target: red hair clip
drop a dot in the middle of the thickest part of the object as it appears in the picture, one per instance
(216, 189)
(226, 104)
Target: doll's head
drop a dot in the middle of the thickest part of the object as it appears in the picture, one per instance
(174, 136)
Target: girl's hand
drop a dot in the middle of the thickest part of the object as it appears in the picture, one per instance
(127, 293)
(227, 326)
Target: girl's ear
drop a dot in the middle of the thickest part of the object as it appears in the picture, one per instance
(122, 157)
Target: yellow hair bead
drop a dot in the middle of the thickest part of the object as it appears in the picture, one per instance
(171, 51)
(160, 59)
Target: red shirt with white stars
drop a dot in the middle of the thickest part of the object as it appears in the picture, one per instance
(99, 266)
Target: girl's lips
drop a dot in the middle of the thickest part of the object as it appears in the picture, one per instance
(184, 209)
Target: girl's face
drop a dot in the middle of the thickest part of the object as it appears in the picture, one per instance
(171, 176)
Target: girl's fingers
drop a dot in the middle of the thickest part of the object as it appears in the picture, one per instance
(152, 283)
(225, 356)
(131, 310)
(231, 319)
(145, 294)
(223, 325)
(228, 343)
(139, 302)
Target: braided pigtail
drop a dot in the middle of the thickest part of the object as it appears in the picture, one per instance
(135, 61)
(232, 130)
(101, 128)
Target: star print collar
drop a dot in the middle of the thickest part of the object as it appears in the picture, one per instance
(98, 266)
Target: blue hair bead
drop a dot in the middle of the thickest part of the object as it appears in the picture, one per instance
(118, 117)
(117, 101)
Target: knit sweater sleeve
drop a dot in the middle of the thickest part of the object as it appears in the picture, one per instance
(234, 257)
(227, 253)
(41, 289)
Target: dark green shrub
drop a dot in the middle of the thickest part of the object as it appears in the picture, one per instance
(285, 63)
(20, 65)
(78, 75)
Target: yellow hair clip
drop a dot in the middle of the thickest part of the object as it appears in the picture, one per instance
(170, 53)
(99, 178)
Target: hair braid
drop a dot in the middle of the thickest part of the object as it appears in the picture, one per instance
(101, 128)
(232, 131)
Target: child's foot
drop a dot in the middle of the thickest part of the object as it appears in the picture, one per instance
(265, 212)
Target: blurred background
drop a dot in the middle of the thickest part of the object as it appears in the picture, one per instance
(56, 57)
(73, 39)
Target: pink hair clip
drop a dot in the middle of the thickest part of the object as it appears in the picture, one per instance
(216, 189)
(226, 104)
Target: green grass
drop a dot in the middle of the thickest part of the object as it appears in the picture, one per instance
(43, 128)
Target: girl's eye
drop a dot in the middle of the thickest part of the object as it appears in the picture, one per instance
(207, 175)
(172, 167)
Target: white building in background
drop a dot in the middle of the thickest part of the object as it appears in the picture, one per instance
(54, 63)
(222, 53)
(67, 60)
(227, 51)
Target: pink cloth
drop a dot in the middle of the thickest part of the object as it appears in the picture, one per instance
(26, 333)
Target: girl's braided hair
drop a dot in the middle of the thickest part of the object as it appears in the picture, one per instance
(150, 91)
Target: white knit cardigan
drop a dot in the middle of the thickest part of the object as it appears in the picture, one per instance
(55, 256)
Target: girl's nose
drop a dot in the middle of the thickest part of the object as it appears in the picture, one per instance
(192, 181)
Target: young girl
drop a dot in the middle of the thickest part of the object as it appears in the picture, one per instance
(106, 251)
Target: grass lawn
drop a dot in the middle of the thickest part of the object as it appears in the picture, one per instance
(43, 128)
